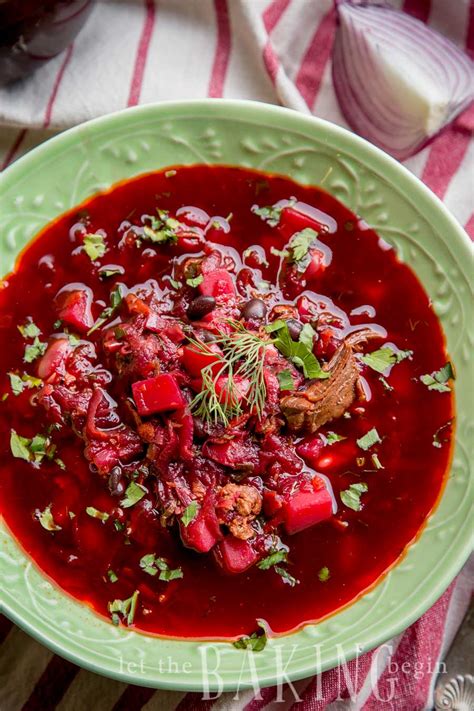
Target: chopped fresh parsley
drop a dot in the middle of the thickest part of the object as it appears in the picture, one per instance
(376, 462)
(386, 385)
(133, 494)
(296, 351)
(95, 513)
(283, 253)
(273, 559)
(110, 270)
(175, 284)
(153, 565)
(438, 380)
(34, 350)
(190, 513)
(324, 574)
(369, 439)
(332, 437)
(285, 380)
(195, 281)
(438, 441)
(255, 642)
(31, 450)
(112, 576)
(46, 519)
(307, 335)
(19, 383)
(286, 576)
(271, 213)
(94, 246)
(300, 245)
(115, 301)
(351, 497)
(161, 229)
(29, 329)
(125, 608)
(384, 358)
(57, 324)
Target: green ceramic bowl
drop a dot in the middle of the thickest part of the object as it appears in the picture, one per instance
(73, 166)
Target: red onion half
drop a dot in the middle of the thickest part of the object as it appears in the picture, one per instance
(398, 82)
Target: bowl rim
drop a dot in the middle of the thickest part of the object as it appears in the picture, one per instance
(461, 243)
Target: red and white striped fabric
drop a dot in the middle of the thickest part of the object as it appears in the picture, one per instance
(277, 51)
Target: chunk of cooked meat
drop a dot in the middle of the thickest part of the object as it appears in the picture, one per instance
(326, 400)
(237, 505)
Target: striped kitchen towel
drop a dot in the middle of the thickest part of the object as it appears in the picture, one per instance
(140, 51)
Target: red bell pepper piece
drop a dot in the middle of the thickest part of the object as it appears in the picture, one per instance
(235, 555)
(217, 283)
(195, 360)
(157, 394)
(308, 506)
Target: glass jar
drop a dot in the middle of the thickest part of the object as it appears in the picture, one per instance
(34, 31)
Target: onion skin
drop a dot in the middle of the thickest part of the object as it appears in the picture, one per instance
(397, 81)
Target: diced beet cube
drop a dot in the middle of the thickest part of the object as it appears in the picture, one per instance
(235, 555)
(311, 504)
(54, 357)
(74, 308)
(237, 394)
(157, 394)
(293, 220)
(203, 532)
(310, 449)
(217, 283)
(195, 360)
(272, 502)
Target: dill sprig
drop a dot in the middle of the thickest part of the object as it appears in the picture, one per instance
(242, 357)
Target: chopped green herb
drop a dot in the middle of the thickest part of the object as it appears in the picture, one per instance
(307, 335)
(376, 462)
(324, 574)
(437, 440)
(57, 324)
(126, 608)
(19, 383)
(269, 213)
(162, 228)
(170, 173)
(351, 497)
(175, 284)
(29, 329)
(190, 513)
(273, 559)
(118, 525)
(384, 382)
(285, 379)
(300, 245)
(73, 339)
(133, 494)
(94, 246)
(255, 642)
(108, 271)
(384, 358)
(195, 281)
(60, 463)
(283, 253)
(46, 519)
(297, 352)
(286, 576)
(115, 301)
(438, 380)
(332, 437)
(95, 513)
(369, 439)
(113, 577)
(34, 350)
(5, 397)
(152, 565)
(31, 450)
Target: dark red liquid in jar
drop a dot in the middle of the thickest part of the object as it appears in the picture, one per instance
(206, 602)
(32, 32)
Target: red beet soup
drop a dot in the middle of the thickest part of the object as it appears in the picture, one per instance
(223, 399)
